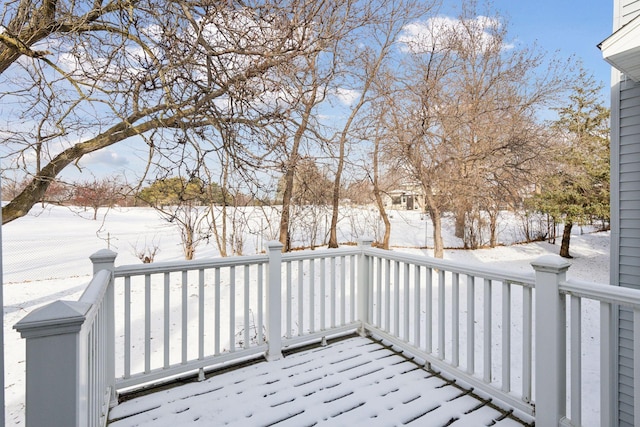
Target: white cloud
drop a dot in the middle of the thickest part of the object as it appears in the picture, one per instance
(105, 157)
(431, 35)
(346, 96)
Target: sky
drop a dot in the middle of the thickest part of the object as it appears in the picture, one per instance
(570, 27)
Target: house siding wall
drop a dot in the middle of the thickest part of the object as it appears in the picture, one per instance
(628, 10)
(625, 206)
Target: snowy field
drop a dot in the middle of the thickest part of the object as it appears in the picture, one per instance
(46, 257)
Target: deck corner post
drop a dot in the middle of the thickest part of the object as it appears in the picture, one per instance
(363, 286)
(274, 302)
(550, 340)
(55, 397)
(104, 259)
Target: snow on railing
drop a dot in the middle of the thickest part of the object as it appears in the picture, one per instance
(169, 319)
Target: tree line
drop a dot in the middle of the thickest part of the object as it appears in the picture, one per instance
(302, 101)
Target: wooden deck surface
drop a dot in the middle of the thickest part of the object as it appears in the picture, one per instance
(352, 382)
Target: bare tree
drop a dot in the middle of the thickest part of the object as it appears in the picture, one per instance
(148, 252)
(471, 101)
(310, 88)
(96, 194)
(183, 203)
(364, 63)
(96, 74)
(378, 138)
(310, 200)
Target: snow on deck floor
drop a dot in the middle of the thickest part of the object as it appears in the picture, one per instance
(355, 381)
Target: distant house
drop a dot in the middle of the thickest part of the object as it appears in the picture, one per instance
(622, 50)
(407, 196)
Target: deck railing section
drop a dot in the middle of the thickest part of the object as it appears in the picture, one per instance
(474, 323)
(178, 317)
(320, 293)
(172, 318)
(574, 294)
(70, 353)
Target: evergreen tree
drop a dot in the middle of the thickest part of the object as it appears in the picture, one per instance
(180, 191)
(575, 189)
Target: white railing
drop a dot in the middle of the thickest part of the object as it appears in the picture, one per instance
(611, 299)
(70, 377)
(171, 319)
(474, 323)
(180, 317)
(319, 290)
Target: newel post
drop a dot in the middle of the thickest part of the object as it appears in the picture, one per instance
(56, 387)
(105, 259)
(274, 301)
(363, 285)
(550, 341)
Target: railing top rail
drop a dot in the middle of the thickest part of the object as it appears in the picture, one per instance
(94, 292)
(475, 271)
(626, 297)
(321, 253)
(173, 266)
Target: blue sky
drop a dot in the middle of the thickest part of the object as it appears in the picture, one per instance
(571, 27)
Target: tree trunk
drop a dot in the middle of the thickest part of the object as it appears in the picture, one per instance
(220, 234)
(371, 74)
(378, 196)
(493, 229)
(461, 215)
(287, 195)
(284, 227)
(189, 249)
(436, 220)
(551, 229)
(286, 209)
(566, 237)
(220, 240)
(292, 162)
(438, 244)
(335, 201)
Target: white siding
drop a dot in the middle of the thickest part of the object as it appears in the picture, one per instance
(629, 10)
(625, 180)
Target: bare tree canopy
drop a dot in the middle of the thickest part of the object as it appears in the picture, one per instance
(83, 76)
(463, 117)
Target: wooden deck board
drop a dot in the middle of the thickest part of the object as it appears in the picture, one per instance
(351, 382)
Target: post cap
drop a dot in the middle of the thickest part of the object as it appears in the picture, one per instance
(57, 318)
(103, 256)
(366, 241)
(551, 264)
(274, 245)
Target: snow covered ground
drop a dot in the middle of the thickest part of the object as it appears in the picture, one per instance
(46, 257)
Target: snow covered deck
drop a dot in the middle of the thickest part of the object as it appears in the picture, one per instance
(504, 334)
(349, 382)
